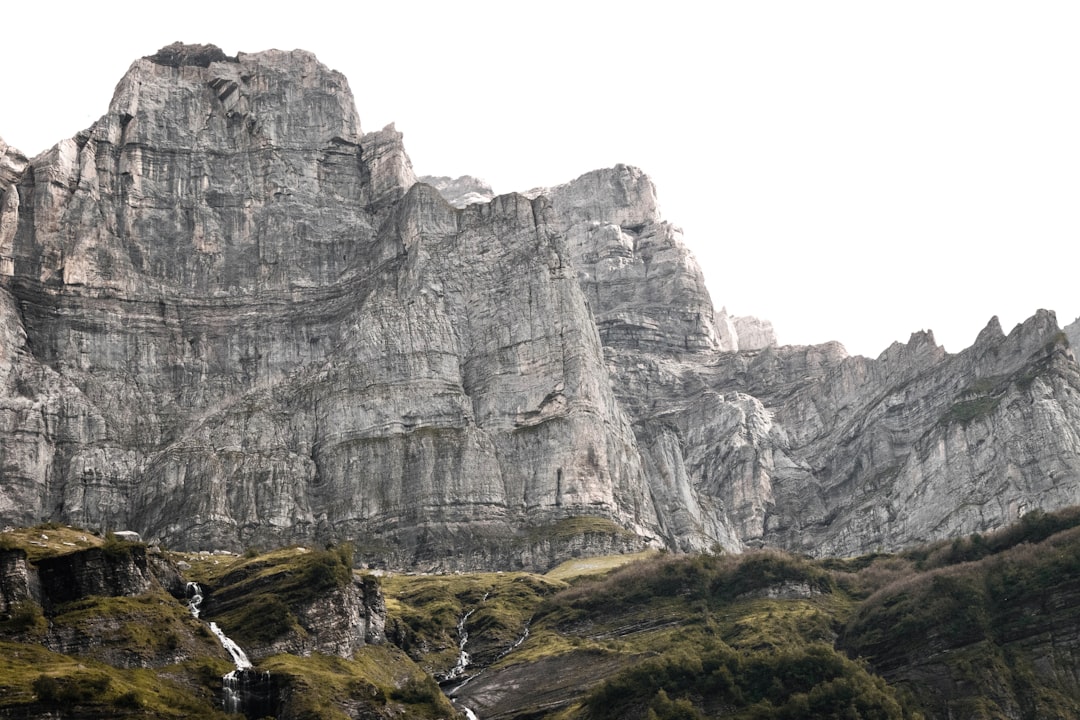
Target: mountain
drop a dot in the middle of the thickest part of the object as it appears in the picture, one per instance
(231, 318)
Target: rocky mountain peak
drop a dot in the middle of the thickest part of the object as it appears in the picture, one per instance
(12, 164)
(622, 195)
(991, 334)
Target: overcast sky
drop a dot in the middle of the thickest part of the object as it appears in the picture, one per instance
(851, 171)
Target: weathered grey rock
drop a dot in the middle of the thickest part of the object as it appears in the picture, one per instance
(1072, 332)
(19, 581)
(232, 318)
(339, 623)
(271, 338)
(643, 285)
(12, 165)
(849, 455)
(754, 333)
(462, 191)
(94, 571)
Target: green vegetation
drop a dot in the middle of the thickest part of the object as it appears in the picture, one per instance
(33, 677)
(968, 607)
(256, 598)
(424, 610)
(798, 682)
(771, 635)
(701, 636)
(48, 540)
(23, 618)
(988, 618)
(381, 677)
(119, 549)
(153, 627)
(579, 567)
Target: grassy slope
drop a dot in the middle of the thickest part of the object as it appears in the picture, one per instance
(980, 627)
(111, 632)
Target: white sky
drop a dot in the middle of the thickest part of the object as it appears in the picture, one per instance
(851, 171)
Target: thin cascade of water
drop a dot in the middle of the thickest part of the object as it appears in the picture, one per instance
(233, 682)
(517, 643)
(194, 593)
(468, 713)
(463, 656)
(239, 657)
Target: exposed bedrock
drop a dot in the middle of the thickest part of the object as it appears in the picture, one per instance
(230, 317)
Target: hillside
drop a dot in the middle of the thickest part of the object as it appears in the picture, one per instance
(983, 627)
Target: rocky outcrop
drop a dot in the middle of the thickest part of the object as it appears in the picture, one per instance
(117, 570)
(12, 165)
(643, 286)
(1072, 332)
(19, 581)
(461, 191)
(335, 623)
(753, 333)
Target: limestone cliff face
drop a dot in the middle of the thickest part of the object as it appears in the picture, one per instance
(230, 324)
(643, 286)
(808, 449)
(230, 317)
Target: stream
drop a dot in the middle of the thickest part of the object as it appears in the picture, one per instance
(463, 661)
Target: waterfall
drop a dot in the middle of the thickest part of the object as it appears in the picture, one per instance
(245, 690)
(239, 657)
(194, 593)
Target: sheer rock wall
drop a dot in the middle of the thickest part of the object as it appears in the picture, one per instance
(230, 317)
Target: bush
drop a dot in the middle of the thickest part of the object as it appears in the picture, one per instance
(69, 690)
(118, 549)
(802, 682)
(25, 616)
(329, 569)
(422, 693)
(664, 708)
(129, 699)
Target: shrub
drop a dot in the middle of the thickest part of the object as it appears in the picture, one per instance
(129, 699)
(25, 616)
(803, 682)
(664, 708)
(422, 693)
(69, 690)
(118, 549)
(327, 570)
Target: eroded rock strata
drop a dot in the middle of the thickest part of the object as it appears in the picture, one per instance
(230, 317)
